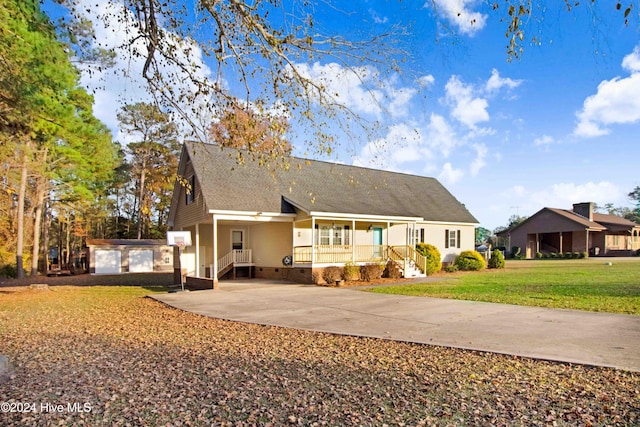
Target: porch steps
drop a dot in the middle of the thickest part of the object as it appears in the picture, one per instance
(412, 269)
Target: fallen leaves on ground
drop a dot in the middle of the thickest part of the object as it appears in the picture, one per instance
(135, 362)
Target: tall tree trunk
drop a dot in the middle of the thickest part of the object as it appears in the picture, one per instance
(67, 257)
(45, 236)
(22, 191)
(35, 251)
(41, 191)
(143, 174)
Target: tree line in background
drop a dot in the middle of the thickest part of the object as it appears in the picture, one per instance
(64, 179)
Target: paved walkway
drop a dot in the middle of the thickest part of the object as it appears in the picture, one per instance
(600, 339)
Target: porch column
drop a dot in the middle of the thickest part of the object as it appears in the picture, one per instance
(388, 226)
(560, 248)
(352, 240)
(537, 244)
(198, 250)
(313, 241)
(586, 242)
(214, 273)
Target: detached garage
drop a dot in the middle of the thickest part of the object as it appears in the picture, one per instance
(116, 256)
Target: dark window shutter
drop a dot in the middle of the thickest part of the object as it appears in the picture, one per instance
(422, 235)
(446, 238)
(458, 238)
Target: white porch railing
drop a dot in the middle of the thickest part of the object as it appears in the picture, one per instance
(327, 254)
(236, 256)
(338, 254)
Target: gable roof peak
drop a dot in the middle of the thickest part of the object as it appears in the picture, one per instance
(318, 186)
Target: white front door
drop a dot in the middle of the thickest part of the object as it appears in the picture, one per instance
(377, 241)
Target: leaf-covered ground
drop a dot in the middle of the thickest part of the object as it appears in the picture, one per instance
(128, 360)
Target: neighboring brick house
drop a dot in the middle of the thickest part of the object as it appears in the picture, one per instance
(578, 230)
(285, 224)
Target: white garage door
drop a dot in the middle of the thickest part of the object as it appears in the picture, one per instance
(140, 260)
(107, 261)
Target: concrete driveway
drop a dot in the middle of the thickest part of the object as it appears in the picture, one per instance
(600, 339)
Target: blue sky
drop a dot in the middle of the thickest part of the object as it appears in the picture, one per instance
(558, 126)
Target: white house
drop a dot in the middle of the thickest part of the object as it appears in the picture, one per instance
(285, 223)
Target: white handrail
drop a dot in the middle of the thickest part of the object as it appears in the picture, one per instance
(236, 256)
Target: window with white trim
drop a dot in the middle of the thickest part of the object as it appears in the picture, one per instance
(324, 236)
(337, 235)
(451, 238)
(333, 235)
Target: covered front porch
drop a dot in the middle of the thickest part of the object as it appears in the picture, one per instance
(282, 246)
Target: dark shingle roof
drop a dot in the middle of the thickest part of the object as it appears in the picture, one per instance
(577, 218)
(125, 242)
(613, 220)
(317, 186)
(601, 222)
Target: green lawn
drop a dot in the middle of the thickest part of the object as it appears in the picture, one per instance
(588, 284)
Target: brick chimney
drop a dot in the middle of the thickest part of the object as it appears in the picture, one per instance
(584, 209)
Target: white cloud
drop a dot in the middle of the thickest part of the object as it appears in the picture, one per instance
(480, 161)
(460, 13)
(544, 140)
(440, 135)
(495, 82)
(564, 195)
(449, 175)
(569, 193)
(631, 62)
(617, 101)
(377, 18)
(426, 81)
(399, 101)
(465, 107)
(403, 144)
(360, 89)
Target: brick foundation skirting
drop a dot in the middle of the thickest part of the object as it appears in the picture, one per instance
(291, 274)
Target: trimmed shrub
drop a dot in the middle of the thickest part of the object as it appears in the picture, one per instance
(470, 261)
(369, 272)
(575, 255)
(583, 255)
(452, 268)
(553, 255)
(316, 276)
(351, 271)
(392, 270)
(516, 252)
(496, 260)
(538, 255)
(332, 274)
(432, 254)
